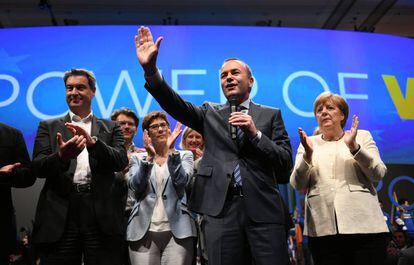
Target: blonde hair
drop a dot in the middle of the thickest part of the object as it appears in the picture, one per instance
(335, 99)
(186, 132)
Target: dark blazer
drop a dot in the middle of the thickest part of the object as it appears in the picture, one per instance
(12, 150)
(263, 164)
(406, 256)
(107, 156)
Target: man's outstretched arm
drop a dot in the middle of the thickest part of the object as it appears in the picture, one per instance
(181, 110)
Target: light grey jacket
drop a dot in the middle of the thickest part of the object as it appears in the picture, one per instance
(340, 190)
(142, 181)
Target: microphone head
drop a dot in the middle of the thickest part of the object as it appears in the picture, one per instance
(233, 101)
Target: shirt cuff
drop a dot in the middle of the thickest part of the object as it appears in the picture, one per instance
(255, 140)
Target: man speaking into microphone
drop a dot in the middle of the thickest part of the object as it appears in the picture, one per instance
(247, 153)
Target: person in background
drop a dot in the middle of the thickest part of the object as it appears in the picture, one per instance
(406, 256)
(194, 142)
(399, 242)
(128, 121)
(15, 172)
(343, 219)
(160, 229)
(405, 214)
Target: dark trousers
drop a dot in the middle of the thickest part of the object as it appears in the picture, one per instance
(125, 256)
(232, 238)
(82, 239)
(353, 249)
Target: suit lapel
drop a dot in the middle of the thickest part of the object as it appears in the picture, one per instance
(165, 178)
(153, 180)
(254, 111)
(224, 113)
(66, 133)
(66, 136)
(95, 127)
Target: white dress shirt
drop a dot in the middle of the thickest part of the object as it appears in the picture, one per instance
(83, 170)
(159, 220)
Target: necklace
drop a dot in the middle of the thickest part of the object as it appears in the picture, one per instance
(334, 139)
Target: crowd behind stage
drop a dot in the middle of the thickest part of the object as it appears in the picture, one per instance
(400, 238)
(400, 221)
(215, 200)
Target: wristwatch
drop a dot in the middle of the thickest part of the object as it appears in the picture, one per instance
(95, 138)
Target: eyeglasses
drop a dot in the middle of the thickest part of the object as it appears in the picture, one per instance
(155, 127)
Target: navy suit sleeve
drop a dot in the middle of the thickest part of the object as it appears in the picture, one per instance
(46, 161)
(13, 150)
(181, 169)
(276, 149)
(139, 175)
(22, 177)
(181, 110)
(112, 156)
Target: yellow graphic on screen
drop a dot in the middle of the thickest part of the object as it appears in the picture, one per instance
(404, 105)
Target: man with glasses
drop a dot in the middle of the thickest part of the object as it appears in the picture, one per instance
(128, 121)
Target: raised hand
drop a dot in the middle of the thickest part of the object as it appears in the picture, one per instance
(350, 135)
(148, 145)
(147, 50)
(307, 145)
(72, 148)
(197, 152)
(77, 130)
(173, 136)
(7, 169)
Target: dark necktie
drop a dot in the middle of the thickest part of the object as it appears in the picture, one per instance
(239, 131)
(236, 172)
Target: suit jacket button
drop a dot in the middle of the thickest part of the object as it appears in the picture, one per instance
(164, 197)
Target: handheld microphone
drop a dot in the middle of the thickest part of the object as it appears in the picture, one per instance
(233, 108)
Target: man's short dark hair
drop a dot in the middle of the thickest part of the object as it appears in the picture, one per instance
(248, 69)
(81, 72)
(127, 112)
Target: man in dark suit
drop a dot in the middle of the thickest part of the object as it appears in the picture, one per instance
(406, 256)
(236, 185)
(15, 171)
(80, 210)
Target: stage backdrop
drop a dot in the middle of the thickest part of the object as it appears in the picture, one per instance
(373, 72)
